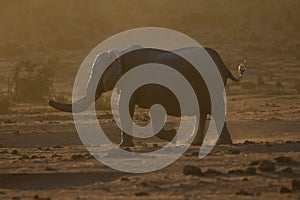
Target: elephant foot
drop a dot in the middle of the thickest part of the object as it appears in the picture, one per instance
(196, 142)
(225, 138)
(126, 141)
(125, 144)
(166, 134)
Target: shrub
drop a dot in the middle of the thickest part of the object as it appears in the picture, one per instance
(32, 81)
(5, 104)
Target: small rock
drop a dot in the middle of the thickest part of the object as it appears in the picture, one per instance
(285, 190)
(243, 192)
(283, 159)
(77, 157)
(234, 151)
(288, 170)
(14, 152)
(8, 121)
(268, 144)
(248, 142)
(88, 156)
(212, 172)
(16, 132)
(250, 171)
(245, 179)
(296, 185)
(50, 169)
(194, 153)
(267, 166)
(37, 197)
(58, 147)
(141, 193)
(144, 184)
(124, 179)
(34, 157)
(24, 157)
(236, 171)
(192, 170)
(16, 198)
(255, 163)
(55, 156)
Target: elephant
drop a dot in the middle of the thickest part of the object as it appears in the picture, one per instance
(150, 94)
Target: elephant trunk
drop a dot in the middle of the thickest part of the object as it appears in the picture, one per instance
(79, 105)
(234, 78)
(76, 107)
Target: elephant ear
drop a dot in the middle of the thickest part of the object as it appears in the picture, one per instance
(132, 48)
(95, 72)
(129, 49)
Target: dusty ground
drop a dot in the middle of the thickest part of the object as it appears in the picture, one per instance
(41, 155)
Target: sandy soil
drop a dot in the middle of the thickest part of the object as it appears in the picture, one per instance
(42, 157)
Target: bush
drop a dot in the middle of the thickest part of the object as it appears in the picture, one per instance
(5, 104)
(32, 81)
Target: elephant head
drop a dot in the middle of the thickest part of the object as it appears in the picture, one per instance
(96, 83)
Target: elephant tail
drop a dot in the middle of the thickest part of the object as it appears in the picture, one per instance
(241, 69)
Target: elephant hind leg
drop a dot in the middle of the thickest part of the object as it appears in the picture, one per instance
(225, 137)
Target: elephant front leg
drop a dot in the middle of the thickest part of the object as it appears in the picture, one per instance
(198, 139)
(126, 139)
